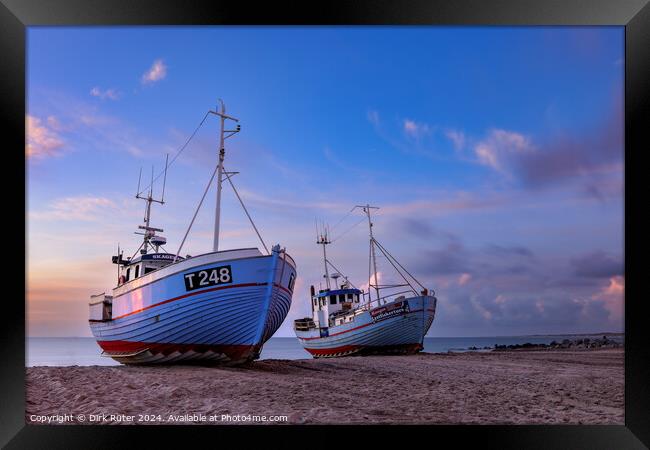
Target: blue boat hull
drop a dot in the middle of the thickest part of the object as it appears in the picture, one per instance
(161, 321)
(381, 330)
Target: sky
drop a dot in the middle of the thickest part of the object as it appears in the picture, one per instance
(495, 155)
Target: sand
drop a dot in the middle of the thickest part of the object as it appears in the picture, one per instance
(515, 387)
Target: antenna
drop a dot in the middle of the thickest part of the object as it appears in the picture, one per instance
(366, 209)
(139, 178)
(162, 198)
(149, 232)
(323, 240)
(151, 185)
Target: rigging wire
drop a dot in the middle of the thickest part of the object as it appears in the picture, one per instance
(207, 188)
(346, 278)
(246, 211)
(344, 217)
(389, 257)
(349, 229)
(136, 252)
(178, 152)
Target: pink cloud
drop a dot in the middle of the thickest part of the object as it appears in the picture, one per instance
(499, 145)
(612, 297)
(157, 72)
(415, 129)
(111, 94)
(41, 140)
(75, 208)
(464, 279)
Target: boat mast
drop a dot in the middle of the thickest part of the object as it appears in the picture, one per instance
(323, 240)
(222, 153)
(366, 209)
(149, 231)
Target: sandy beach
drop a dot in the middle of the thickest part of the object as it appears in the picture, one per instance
(510, 387)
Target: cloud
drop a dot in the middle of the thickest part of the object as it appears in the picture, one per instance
(421, 228)
(451, 259)
(597, 265)
(411, 138)
(83, 126)
(373, 117)
(157, 72)
(41, 140)
(82, 208)
(464, 278)
(593, 157)
(612, 297)
(508, 251)
(111, 94)
(463, 201)
(457, 138)
(500, 145)
(414, 129)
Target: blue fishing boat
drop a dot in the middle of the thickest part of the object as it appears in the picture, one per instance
(346, 320)
(220, 306)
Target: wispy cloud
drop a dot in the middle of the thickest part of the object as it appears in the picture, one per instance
(82, 125)
(598, 265)
(410, 137)
(42, 139)
(373, 117)
(157, 72)
(500, 145)
(83, 208)
(111, 94)
(457, 138)
(415, 129)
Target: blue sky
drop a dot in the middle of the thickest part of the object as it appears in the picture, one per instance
(495, 153)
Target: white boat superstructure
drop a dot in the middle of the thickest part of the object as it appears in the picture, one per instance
(347, 320)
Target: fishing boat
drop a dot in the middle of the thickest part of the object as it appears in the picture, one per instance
(348, 321)
(220, 306)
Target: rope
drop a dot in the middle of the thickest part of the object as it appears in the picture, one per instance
(246, 211)
(178, 152)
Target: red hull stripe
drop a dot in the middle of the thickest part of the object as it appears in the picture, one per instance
(356, 328)
(218, 288)
(117, 347)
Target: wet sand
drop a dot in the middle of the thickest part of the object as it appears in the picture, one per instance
(511, 387)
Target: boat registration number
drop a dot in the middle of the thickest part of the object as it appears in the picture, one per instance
(208, 277)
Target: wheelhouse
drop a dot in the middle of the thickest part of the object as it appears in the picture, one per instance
(142, 265)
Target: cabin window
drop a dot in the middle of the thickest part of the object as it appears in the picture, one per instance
(341, 298)
(128, 273)
(350, 297)
(356, 298)
(332, 299)
(149, 269)
(137, 271)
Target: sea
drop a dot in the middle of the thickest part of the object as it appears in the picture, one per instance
(84, 351)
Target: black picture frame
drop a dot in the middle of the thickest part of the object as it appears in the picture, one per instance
(634, 15)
